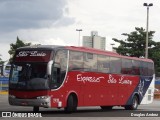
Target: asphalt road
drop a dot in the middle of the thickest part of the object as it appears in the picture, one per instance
(149, 110)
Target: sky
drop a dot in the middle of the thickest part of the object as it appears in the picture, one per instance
(55, 21)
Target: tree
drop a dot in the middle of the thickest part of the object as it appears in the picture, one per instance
(134, 44)
(1, 62)
(154, 54)
(13, 47)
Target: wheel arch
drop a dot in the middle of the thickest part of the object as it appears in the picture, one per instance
(138, 97)
(74, 94)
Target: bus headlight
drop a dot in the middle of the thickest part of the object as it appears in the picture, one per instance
(42, 97)
(12, 96)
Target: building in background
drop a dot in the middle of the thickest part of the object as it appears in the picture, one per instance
(94, 41)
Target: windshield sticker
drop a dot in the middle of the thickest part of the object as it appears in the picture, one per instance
(30, 53)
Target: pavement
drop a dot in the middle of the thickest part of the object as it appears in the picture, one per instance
(83, 113)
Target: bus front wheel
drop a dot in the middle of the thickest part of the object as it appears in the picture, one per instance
(134, 104)
(71, 104)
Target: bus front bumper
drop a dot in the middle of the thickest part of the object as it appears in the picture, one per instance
(42, 101)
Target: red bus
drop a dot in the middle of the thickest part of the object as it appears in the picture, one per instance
(69, 77)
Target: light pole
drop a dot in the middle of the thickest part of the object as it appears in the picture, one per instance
(147, 5)
(79, 30)
(112, 45)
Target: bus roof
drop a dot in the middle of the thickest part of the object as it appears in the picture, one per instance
(82, 49)
(49, 47)
(104, 52)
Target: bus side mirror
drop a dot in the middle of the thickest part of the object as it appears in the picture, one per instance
(49, 67)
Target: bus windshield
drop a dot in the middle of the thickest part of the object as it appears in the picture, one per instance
(29, 76)
(29, 70)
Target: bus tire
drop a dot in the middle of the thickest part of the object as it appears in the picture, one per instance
(106, 107)
(134, 104)
(71, 104)
(35, 109)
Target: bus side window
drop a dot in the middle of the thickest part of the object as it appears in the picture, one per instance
(76, 60)
(59, 67)
(136, 67)
(55, 75)
(115, 65)
(150, 69)
(103, 64)
(127, 66)
(144, 68)
(90, 62)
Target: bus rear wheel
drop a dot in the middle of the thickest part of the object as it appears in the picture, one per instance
(134, 104)
(71, 104)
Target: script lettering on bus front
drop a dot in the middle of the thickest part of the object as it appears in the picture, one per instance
(30, 53)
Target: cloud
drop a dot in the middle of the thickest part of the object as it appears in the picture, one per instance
(32, 14)
(56, 21)
(52, 41)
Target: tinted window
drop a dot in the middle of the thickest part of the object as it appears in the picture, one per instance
(103, 64)
(144, 68)
(150, 69)
(61, 59)
(115, 65)
(136, 67)
(126, 66)
(147, 69)
(90, 62)
(76, 60)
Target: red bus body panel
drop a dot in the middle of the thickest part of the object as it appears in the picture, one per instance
(91, 88)
(95, 89)
(28, 94)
